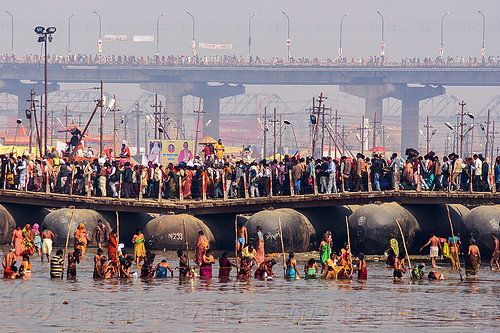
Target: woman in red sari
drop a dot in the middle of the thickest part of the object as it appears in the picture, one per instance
(112, 246)
(186, 183)
(17, 242)
(259, 257)
(202, 245)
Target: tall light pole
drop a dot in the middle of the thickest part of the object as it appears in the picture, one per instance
(45, 35)
(250, 35)
(288, 122)
(193, 42)
(484, 32)
(441, 47)
(382, 43)
(341, 26)
(11, 31)
(69, 32)
(99, 41)
(288, 40)
(158, 33)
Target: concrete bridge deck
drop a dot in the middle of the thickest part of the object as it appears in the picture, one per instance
(236, 206)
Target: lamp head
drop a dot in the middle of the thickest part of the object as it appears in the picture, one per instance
(51, 30)
(287, 122)
(39, 29)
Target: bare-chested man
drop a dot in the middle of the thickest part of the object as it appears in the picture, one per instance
(399, 267)
(434, 250)
(8, 260)
(473, 259)
(496, 252)
(242, 237)
(47, 239)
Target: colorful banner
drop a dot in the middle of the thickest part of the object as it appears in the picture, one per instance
(147, 38)
(115, 38)
(170, 151)
(216, 46)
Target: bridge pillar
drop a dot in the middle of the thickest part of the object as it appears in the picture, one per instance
(22, 91)
(373, 95)
(212, 95)
(173, 93)
(410, 98)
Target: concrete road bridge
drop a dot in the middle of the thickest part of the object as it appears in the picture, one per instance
(408, 84)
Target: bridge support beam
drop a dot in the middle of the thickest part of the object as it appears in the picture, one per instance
(373, 95)
(410, 111)
(22, 91)
(212, 95)
(173, 93)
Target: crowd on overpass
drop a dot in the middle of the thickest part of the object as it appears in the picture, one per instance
(218, 176)
(232, 60)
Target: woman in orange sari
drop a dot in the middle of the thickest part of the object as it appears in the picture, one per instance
(186, 183)
(81, 239)
(17, 242)
(202, 245)
(259, 257)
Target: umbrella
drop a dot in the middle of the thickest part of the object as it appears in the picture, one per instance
(207, 140)
(378, 150)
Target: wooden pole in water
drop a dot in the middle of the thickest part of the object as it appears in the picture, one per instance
(404, 245)
(349, 243)
(236, 242)
(282, 247)
(453, 238)
(117, 228)
(187, 246)
(67, 238)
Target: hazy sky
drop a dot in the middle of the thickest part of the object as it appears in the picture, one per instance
(412, 28)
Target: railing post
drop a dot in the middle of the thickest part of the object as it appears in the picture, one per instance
(47, 182)
(369, 180)
(72, 179)
(139, 196)
(315, 183)
(89, 184)
(419, 184)
(224, 190)
(203, 184)
(292, 190)
(492, 182)
(120, 187)
(471, 179)
(245, 185)
(396, 181)
(160, 185)
(181, 195)
(271, 186)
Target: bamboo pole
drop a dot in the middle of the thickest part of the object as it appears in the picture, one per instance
(236, 241)
(282, 247)
(117, 228)
(349, 243)
(404, 245)
(187, 246)
(453, 238)
(67, 239)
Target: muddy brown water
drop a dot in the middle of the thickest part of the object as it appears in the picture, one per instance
(210, 305)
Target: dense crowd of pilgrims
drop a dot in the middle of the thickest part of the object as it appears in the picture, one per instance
(215, 175)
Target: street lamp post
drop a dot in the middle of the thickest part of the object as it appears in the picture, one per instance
(484, 32)
(341, 26)
(441, 47)
(288, 40)
(288, 122)
(250, 35)
(99, 41)
(69, 32)
(11, 31)
(193, 42)
(382, 43)
(158, 33)
(45, 35)
(471, 115)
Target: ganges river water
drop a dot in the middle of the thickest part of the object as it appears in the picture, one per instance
(197, 305)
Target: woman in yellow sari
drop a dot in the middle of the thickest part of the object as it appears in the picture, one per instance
(81, 239)
(139, 247)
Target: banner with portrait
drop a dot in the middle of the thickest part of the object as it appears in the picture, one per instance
(172, 151)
